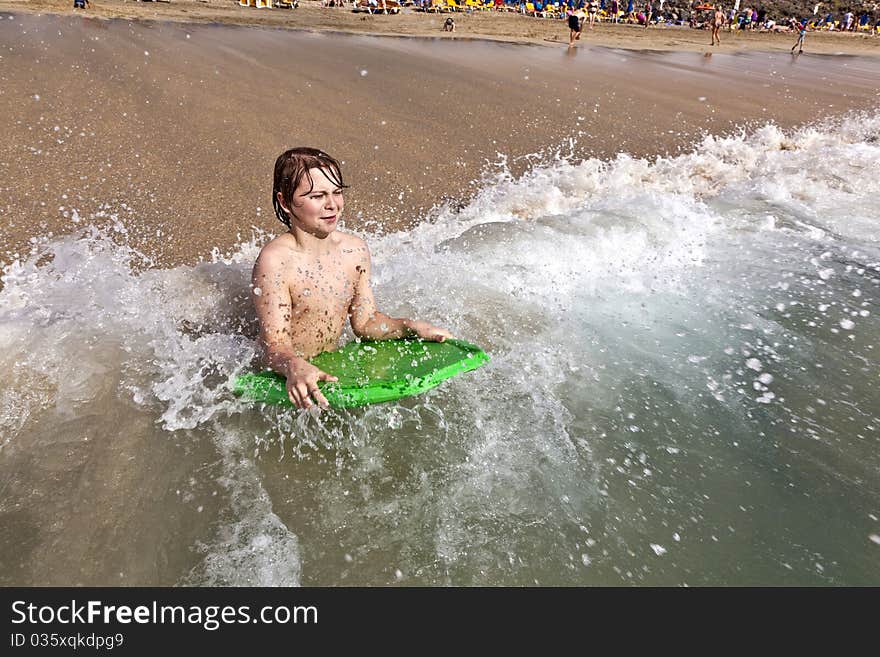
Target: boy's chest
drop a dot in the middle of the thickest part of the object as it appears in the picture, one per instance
(325, 284)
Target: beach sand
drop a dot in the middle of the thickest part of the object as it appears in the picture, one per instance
(503, 26)
(168, 129)
(173, 127)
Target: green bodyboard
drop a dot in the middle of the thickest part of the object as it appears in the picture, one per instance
(373, 372)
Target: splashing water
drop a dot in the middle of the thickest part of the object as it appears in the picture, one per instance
(683, 391)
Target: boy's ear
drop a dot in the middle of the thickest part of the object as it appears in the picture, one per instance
(282, 202)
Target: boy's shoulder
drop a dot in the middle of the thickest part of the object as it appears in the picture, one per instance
(276, 248)
(350, 241)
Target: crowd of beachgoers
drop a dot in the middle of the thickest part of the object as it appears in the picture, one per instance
(643, 12)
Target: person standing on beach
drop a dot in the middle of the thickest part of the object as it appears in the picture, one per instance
(649, 11)
(802, 32)
(717, 22)
(615, 11)
(593, 11)
(310, 279)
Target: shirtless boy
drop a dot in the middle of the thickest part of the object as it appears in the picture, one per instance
(717, 22)
(309, 279)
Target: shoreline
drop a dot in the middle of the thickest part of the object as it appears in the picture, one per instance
(489, 26)
(181, 122)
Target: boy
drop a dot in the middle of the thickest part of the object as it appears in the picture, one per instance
(802, 32)
(717, 22)
(574, 25)
(307, 280)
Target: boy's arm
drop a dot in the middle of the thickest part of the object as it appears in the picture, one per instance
(273, 304)
(368, 322)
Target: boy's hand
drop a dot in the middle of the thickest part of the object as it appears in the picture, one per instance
(428, 331)
(302, 383)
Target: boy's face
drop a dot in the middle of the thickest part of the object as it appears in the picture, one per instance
(317, 211)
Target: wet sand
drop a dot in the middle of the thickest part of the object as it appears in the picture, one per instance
(173, 127)
(497, 26)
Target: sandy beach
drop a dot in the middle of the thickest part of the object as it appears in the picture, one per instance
(173, 126)
(503, 26)
(683, 379)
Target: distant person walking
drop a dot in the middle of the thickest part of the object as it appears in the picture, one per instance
(802, 32)
(717, 22)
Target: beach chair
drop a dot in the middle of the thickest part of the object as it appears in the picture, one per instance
(453, 5)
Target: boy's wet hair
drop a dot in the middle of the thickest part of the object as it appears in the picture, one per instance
(292, 166)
